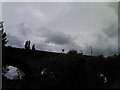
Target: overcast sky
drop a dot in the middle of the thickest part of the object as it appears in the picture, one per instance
(52, 26)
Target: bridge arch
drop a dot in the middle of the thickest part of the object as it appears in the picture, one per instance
(15, 62)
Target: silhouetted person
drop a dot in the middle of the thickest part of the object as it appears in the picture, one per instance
(33, 47)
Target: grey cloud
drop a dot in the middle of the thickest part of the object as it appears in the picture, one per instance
(100, 50)
(105, 51)
(114, 6)
(111, 31)
(56, 48)
(56, 37)
(105, 44)
(24, 30)
(14, 41)
(64, 22)
(42, 46)
(59, 40)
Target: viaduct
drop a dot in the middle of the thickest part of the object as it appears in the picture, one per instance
(33, 62)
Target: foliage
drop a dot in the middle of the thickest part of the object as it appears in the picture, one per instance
(3, 34)
(72, 52)
(33, 47)
(27, 44)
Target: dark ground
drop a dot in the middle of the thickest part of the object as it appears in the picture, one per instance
(72, 70)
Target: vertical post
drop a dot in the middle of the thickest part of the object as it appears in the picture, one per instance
(119, 27)
(0, 59)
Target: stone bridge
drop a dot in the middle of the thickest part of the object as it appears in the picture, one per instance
(33, 63)
(30, 62)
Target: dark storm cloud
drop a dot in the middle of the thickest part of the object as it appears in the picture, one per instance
(56, 37)
(56, 41)
(59, 38)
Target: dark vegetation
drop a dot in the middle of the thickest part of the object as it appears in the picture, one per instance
(3, 34)
(60, 70)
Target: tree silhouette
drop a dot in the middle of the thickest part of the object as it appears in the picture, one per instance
(27, 44)
(72, 52)
(33, 47)
(63, 50)
(3, 34)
